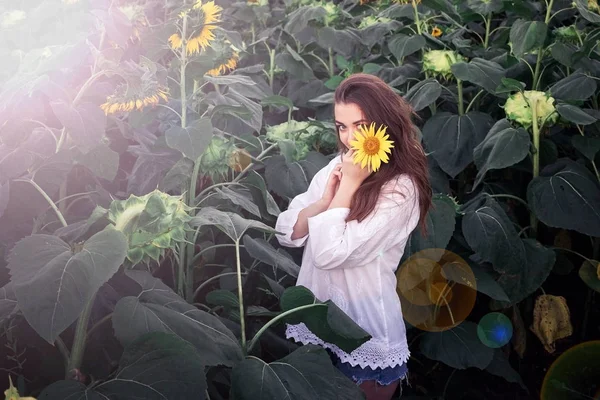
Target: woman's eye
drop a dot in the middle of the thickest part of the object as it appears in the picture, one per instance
(341, 127)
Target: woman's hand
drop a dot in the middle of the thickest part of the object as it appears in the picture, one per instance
(333, 183)
(353, 172)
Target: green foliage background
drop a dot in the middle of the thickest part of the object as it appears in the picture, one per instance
(139, 256)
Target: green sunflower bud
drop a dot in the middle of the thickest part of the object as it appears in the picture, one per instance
(302, 133)
(518, 108)
(152, 223)
(372, 20)
(567, 34)
(214, 162)
(332, 12)
(439, 62)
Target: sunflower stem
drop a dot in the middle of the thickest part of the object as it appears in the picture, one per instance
(182, 73)
(86, 86)
(536, 160)
(271, 67)
(79, 341)
(417, 21)
(240, 295)
(277, 319)
(488, 23)
(182, 265)
(41, 191)
(536, 75)
(461, 104)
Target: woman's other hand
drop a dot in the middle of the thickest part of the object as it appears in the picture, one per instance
(333, 183)
(353, 172)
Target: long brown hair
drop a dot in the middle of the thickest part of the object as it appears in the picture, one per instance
(380, 104)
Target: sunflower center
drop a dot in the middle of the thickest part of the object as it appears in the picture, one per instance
(371, 146)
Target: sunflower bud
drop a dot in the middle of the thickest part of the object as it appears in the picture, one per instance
(518, 108)
(214, 162)
(568, 34)
(439, 62)
(152, 223)
(332, 12)
(372, 20)
(302, 133)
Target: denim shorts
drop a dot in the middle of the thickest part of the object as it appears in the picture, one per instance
(383, 376)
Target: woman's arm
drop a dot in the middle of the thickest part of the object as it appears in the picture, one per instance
(291, 225)
(316, 208)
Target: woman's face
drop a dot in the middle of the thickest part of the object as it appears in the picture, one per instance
(348, 119)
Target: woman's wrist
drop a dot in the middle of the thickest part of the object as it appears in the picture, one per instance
(343, 196)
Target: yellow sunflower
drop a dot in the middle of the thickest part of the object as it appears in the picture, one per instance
(228, 65)
(371, 147)
(201, 38)
(133, 101)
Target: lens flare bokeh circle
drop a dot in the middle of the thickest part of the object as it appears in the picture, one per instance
(575, 374)
(494, 330)
(437, 289)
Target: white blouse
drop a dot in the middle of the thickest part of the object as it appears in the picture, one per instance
(353, 264)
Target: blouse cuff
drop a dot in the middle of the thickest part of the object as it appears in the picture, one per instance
(285, 225)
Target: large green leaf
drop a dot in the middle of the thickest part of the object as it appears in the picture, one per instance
(424, 93)
(192, 140)
(444, 6)
(491, 234)
(404, 45)
(263, 251)
(239, 196)
(232, 224)
(440, 220)
(294, 64)
(307, 373)
(344, 41)
(576, 86)
(85, 123)
(378, 32)
(326, 320)
(102, 161)
(529, 276)
(258, 187)
(566, 195)
(157, 366)
(502, 147)
(485, 7)
(158, 309)
(575, 114)
(526, 36)
(583, 8)
(53, 281)
(563, 53)
(230, 80)
(590, 274)
(291, 179)
(452, 138)
(299, 19)
(484, 73)
(458, 347)
(487, 285)
(15, 161)
(588, 146)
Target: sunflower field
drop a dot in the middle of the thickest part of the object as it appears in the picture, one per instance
(147, 147)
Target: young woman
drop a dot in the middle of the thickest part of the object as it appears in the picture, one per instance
(354, 223)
